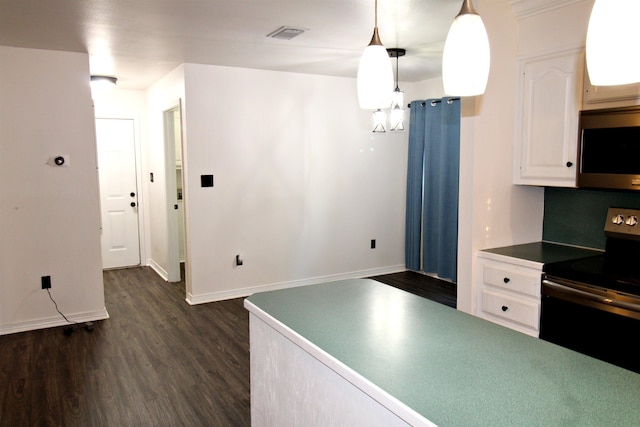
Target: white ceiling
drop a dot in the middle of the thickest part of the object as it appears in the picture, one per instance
(139, 41)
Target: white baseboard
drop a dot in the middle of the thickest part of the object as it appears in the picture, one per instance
(194, 299)
(156, 267)
(52, 322)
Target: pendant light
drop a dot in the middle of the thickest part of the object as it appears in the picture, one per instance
(612, 39)
(466, 57)
(379, 121)
(396, 115)
(375, 75)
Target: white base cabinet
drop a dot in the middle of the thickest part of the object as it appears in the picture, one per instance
(509, 292)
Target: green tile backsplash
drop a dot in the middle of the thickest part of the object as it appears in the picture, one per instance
(576, 216)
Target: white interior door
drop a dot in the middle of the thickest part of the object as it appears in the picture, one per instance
(118, 192)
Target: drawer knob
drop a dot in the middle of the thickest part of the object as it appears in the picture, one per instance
(506, 280)
(505, 308)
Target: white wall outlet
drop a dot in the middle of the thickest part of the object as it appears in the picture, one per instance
(58, 160)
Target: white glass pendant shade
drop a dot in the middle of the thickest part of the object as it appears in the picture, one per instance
(379, 121)
(375, 77)
(612, 42)
(466, 57)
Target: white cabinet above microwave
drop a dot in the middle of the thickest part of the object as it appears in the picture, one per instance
(549, 99)
(597, 97)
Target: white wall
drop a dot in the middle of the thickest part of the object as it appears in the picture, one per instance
(163, 95)
(427, 89)
(49, 216)
(301, 183)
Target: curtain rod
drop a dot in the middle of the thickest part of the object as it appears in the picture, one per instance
(435, 101)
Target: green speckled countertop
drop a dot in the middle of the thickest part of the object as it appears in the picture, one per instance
(452, 368)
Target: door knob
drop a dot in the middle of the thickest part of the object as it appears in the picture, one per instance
(133, 204)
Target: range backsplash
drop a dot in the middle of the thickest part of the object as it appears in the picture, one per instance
(576, 216)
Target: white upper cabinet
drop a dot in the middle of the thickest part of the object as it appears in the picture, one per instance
(596, 97)
(549, 100)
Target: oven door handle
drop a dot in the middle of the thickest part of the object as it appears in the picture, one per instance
(577, 293)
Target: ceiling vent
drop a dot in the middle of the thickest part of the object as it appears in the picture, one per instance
(286, 33)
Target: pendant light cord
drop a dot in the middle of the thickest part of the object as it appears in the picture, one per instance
(397, 87)
(376, 14)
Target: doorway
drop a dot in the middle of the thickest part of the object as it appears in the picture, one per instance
(119, 199)
(175, 193)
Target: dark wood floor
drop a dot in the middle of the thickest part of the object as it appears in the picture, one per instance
(422, 285)
(156, 362)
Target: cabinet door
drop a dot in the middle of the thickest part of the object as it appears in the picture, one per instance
(549, 100)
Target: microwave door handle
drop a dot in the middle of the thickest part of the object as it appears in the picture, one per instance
(577, 294)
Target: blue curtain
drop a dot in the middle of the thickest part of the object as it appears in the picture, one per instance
(431, 243)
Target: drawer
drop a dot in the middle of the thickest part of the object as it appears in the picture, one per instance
(527, 283)
(512, 309)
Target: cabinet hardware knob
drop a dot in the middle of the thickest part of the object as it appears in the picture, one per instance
(133, 204)
(132, 194)
(569, 164)
(505, 308)
(506, 280)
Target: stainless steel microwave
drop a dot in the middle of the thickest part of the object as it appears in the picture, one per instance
(609, 148)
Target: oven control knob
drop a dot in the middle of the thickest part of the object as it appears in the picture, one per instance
(618, 219)
(632, 221)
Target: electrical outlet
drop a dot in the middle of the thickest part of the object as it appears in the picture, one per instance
(46, 282)
(373, 243)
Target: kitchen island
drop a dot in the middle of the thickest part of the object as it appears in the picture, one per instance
(358, 352)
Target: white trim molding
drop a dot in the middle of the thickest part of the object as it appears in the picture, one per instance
(53, 321)
(194, 299)
(528, 8)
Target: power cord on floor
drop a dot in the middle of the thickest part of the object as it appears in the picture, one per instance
(75, 326)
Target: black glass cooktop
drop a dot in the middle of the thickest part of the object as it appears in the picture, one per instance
(617, 272)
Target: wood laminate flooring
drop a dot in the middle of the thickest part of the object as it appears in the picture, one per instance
(156, 362)
(422, 285)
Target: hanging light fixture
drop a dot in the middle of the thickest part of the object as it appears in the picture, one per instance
(375, 75)
(612, 39)
(466, 57)
(396, 115)
(379, 121)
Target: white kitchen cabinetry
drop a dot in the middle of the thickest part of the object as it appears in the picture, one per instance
(549, 100)
(509, 292)
(597, 97)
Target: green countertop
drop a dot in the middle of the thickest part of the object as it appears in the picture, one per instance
(543, 252)
(452, 368)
